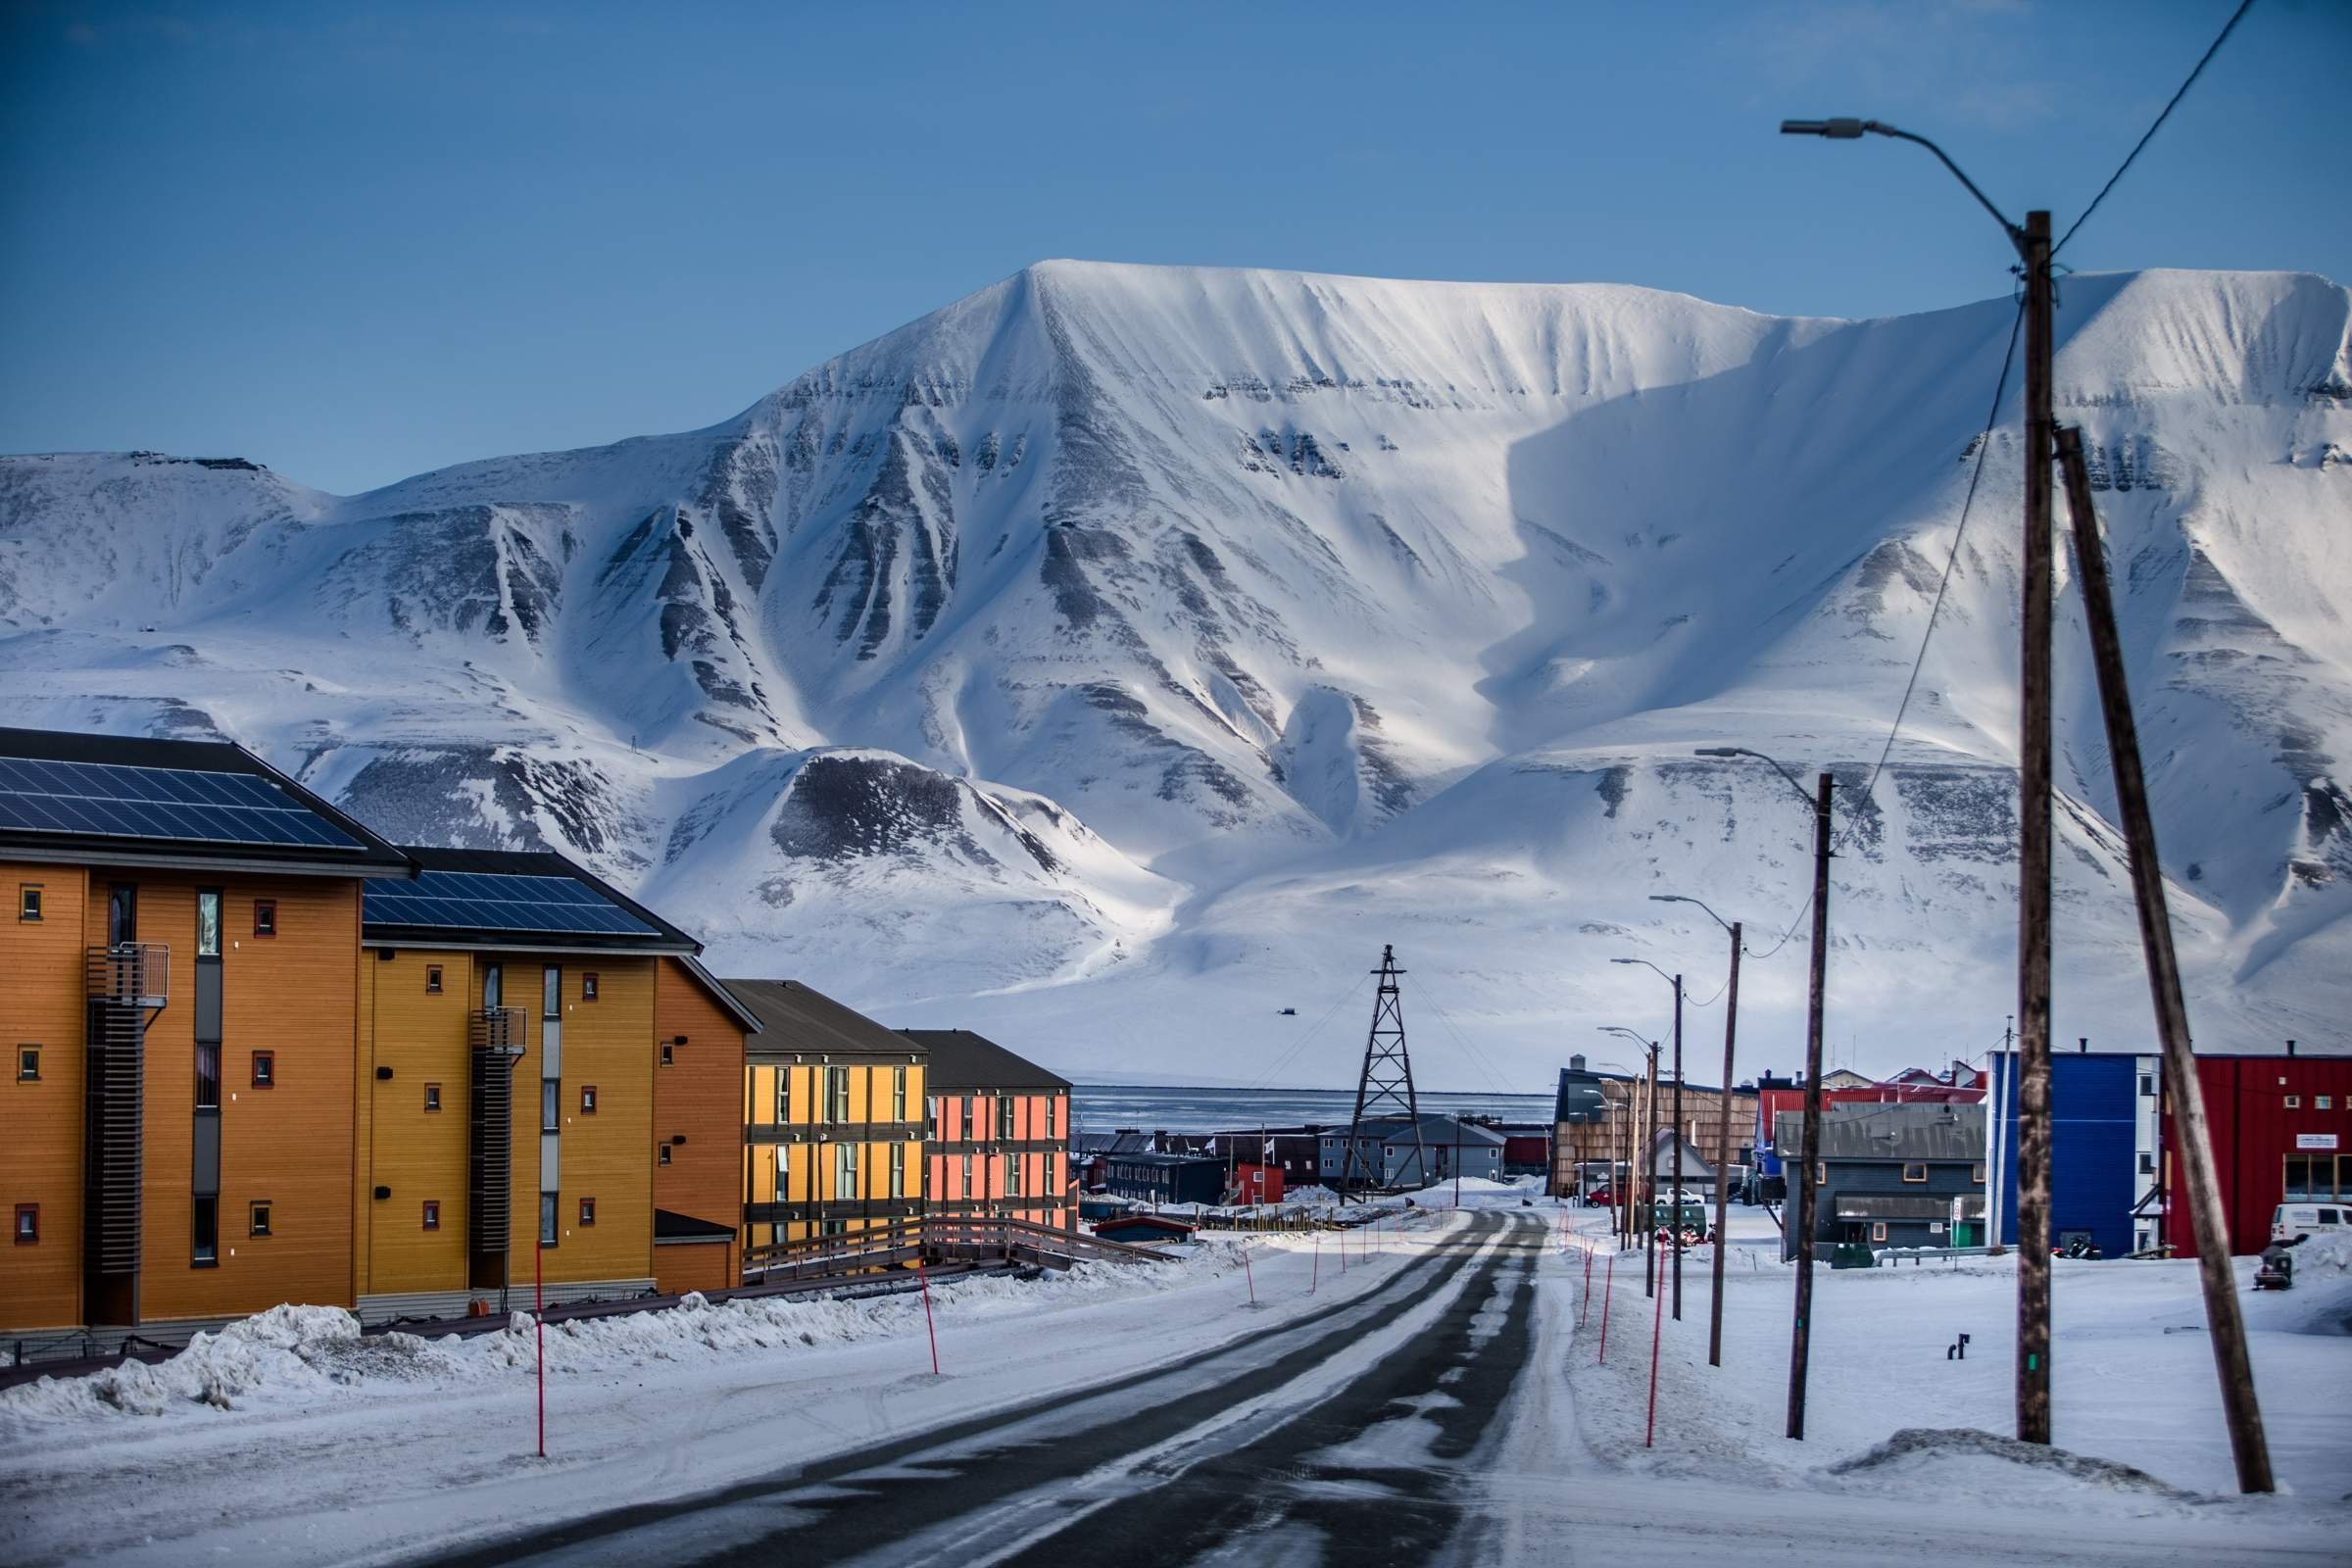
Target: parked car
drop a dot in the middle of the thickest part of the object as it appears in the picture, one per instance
(1601, 1198)
(2293, 1221)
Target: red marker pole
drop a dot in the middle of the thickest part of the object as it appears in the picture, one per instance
(1652, 1435)
(1608, 1279)
(929, 1327)
(539, 1327)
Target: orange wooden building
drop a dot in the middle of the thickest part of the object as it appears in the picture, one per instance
(180, 987)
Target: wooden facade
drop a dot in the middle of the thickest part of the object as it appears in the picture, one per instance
(699, 1088)
(999, 1139)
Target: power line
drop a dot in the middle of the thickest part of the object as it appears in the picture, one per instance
(1288, 1057)
(1984, 445)
(2235, 17)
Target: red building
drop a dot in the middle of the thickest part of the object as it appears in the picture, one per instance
(2281, 1131)
(1257, 1184)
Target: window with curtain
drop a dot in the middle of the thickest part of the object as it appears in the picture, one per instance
(845, 1170)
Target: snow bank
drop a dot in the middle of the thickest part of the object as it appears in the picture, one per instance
(2324, 1254)
(1940, 1456)
(301, 1352)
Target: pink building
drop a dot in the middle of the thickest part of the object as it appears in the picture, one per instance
(998, 1141)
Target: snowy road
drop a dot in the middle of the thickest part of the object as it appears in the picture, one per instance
(1417, 1423)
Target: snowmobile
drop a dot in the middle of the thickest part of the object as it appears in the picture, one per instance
(2276, 1271)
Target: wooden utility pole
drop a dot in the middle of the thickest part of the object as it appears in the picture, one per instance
(1723, 1154)
(2034, 852)
(2225, 1325)
(1801, 1330)
(1675, 1198)
(1650, 1179)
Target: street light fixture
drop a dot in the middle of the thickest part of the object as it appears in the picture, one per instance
(1723, 1142)
(1802, 1225)
(2036, 831)
(1633, 1136)
(1674, 1198)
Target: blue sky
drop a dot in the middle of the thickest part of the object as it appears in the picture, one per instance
(354, 242)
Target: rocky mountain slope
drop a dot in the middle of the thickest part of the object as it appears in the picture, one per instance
(1123, 653)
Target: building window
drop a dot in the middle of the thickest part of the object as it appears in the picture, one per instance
(208, 922)
(668, 1055)
(930, 1112)
(29, 1064)
(661, 1155)
(265, 918)
(845, 1170)
(551, 1114)
(1006, 1118)
(432, 1097)
(494, 987)
(551, 992)
(1051, 1102)
(432, 979)
(1878, 1229)
(2323, 1102)
(587, 1212)
(898, 1167)
(588, 986)
(260, 1218)
(587, 1099)
(1821, 1173)
(205, 1243)
(968, 1176)
(29, 901)
(837, 1094)
(967, 1118)
(265, 1069)
(433, 1215)
(1976, 1173)
(2148, 1164)
(2294, 1102)
(546, 1220)
(28, 1217)
(208, 1076)
(1012, 1175)
(783, 1097)
(898, 1093)
(2147, 1086)
(1915, 1172)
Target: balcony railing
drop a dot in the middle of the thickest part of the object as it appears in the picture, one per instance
(130, 974)
(498, 1029)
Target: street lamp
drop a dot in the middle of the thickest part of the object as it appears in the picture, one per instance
(2036, 841)
(1802, 1221)
(1723, 1142)
(1675, 1197)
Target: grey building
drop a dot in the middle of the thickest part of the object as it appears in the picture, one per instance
(1893, 1175)
(1386, 1146)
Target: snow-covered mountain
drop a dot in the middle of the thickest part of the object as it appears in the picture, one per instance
(1121, 655)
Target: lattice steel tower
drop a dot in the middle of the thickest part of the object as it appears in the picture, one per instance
(1386, 1084)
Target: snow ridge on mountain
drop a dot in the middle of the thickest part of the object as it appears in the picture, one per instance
(1125, 650)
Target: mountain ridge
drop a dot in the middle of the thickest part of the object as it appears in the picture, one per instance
(1246, 586)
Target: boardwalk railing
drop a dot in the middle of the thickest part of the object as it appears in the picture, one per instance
(937, 1238)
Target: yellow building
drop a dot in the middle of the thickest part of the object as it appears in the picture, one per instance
(512, 1115)
(833, 1117)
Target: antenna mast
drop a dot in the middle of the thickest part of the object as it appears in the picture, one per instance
(1386, 1084)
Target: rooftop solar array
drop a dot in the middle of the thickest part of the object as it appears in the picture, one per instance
(486, 901)
(113, 800)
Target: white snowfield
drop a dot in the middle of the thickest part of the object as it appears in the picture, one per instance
(315, 1450)
(1121, 653)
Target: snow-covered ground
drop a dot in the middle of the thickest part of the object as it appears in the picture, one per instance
(312, 1450)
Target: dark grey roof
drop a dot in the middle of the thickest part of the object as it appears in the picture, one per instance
(629, 926)
(798, 1020)
(670, 1226)
(963, 1063)
(1165, 1162)
(1436, 1130)
(1889, 1132)
(333, 841)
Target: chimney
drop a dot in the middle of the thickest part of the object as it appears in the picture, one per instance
(2082, 1044)
(2290, 1048)
(1575, 1065)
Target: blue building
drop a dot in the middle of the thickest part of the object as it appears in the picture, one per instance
(2103, 1147)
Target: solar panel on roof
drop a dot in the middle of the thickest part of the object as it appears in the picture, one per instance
(114, 801)
(492, 900)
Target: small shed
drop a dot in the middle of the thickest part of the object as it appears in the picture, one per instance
(1144, 1229)
(1257, 1184)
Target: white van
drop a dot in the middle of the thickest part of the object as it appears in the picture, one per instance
(2292, 1220)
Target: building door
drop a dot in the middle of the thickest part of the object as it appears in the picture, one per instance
(121, 913)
